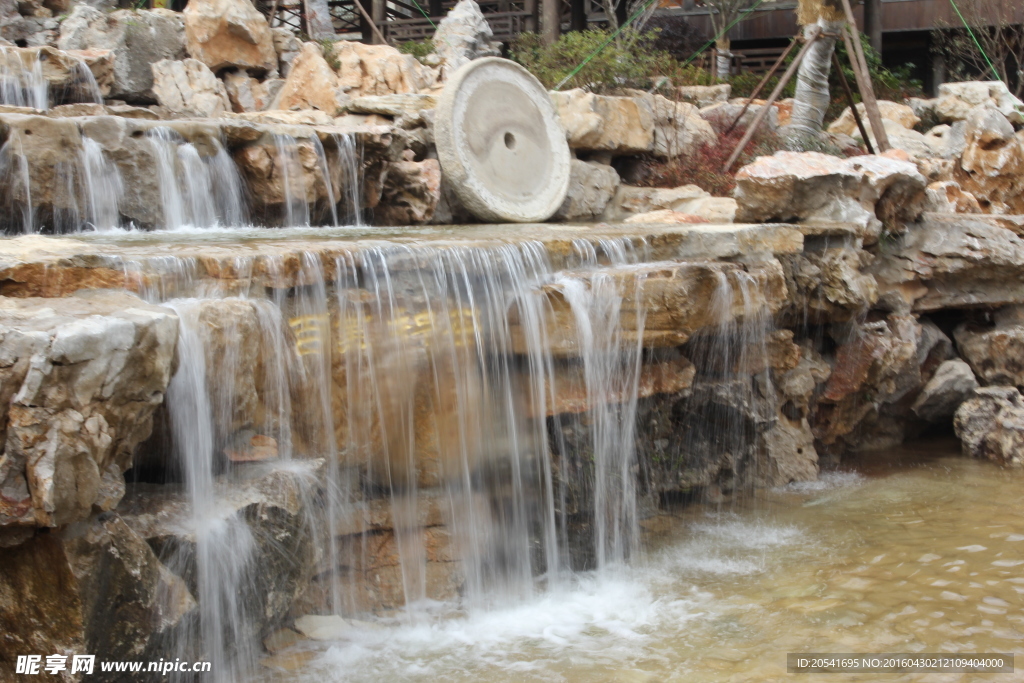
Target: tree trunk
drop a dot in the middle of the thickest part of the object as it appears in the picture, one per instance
(723, 60)
(812, 95)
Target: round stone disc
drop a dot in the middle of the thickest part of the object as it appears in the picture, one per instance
(500, 143)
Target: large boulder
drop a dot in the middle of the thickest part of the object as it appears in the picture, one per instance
(378, 70)
(248, 94)
(92, 587)
(956, 101)
(992, 164)
(866, 191)
(704, 95)
(312, 84)
(990, 425)
(464, 35)
(411, 193)
(679, 129)
(189, 87)
(995, 353)
(890, 111)
(82, 377)
(620, 125)
(230, 34)
(591, 187)
(137, 39)
(951, 384)
(632, 201)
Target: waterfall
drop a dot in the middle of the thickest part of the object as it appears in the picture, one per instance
(351, 161)
(103, 186)
(14, 171)
(293, 181)
(195, 190)
(325, 171)
(22, 86)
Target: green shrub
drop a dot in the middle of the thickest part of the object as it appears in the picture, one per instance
(630, 60)
(417, 48)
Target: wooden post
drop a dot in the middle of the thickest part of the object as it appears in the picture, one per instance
(748, 136)
(530, 20)
(378, 19)
(867, 95)
(764, 81)
(849, 98)
(551, 20)
(366, 16)
(860, 70)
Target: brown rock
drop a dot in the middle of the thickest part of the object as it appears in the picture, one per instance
(379, 70)
(189, 87)
(312, 84)
(229, 33)
(412, 191)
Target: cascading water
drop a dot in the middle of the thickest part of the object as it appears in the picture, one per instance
(425, 377)
(351, 162)
(195, 190)
(14, 171)
(21, 85)
(104, 186)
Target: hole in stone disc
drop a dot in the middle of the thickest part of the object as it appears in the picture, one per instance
(510, 141)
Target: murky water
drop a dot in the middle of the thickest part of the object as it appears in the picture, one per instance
(918, 550)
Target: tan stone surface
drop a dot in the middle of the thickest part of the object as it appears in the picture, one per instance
(229, 33)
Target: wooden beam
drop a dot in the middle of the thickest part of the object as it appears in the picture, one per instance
(867, 91)
(849, 98)
(764, 82)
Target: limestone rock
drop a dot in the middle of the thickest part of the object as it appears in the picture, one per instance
(66, 74)
(723, 114)
(138, 39)
(995, 353)
(704, 95)
(891, 111)
(951, 384)
(679, 129)
(411, 194)
(230, 34)
(992, 165)
(82, 377)
(189, 87)
(464, 35)
(101, 64)
(621, 125)
(957, 100)
(312, 84)
(591, 187)
(247, 94)
(689, 200)
(665, 216)
(93, 587)
(990, 425)
(379, 70)
(287, 47)
(861, 190)
(949, 197)
(830, 284)
(405, 104)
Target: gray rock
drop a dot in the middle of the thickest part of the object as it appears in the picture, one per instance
(996, 354)
(990, 425)
(464, 35)
(722, 115)
(951, 384)
(591, 187)
(82, 377)
(138, 39)
(189, 87)
(704, 95)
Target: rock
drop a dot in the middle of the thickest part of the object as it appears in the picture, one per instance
(995, 353)
(722, 115)
(591, 187)
(955, 261)
(137, 39)
(230, 34)
(82, 377)
(411, 194)
(189, 87)
(891, 111)
(990, 425)
(704, 95)
(406, 104)
(829, 284)
(101, 64)
(265, 171)
(949, 197)
(65, 74)
(281, 639)
(329, 627)
(687, 199)
(379, 70)
(992, 164)
(861, 190)
(957, 100)
(287, 47)
(679, 129)
(312, 84)
(665, 216)
(93, 587)
(951, 384)
(621, 125)
(464, 35)
(247, 94)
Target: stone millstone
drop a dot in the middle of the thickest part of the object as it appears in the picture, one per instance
(500, 143)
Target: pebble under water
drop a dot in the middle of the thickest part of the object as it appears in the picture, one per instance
(911, 550)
